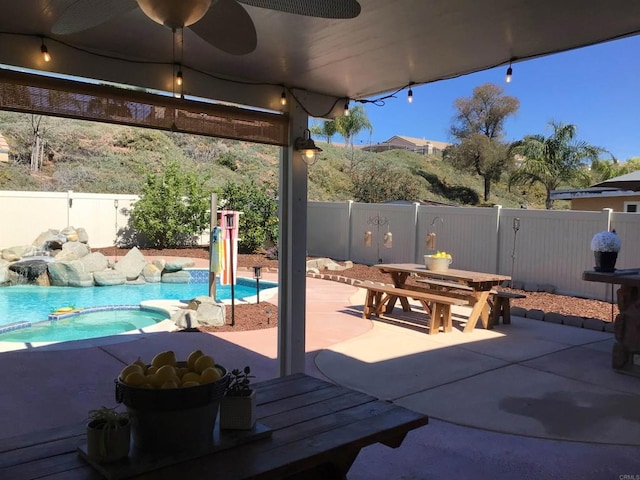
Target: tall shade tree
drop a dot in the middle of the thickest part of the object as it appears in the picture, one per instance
(478, 128)
(559, 159)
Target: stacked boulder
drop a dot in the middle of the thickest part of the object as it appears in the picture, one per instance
(64, 258)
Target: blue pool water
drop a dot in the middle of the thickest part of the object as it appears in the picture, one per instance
(85, 326)
(33, 304)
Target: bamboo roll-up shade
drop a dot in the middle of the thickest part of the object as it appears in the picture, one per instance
(30, 93)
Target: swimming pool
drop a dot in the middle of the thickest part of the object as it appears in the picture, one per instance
(21, 304)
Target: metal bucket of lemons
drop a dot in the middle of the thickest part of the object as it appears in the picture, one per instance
(172, 405)
(438, 262)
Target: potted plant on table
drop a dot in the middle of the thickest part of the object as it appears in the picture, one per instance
(238, 406)
(108, 435)
(605, 246)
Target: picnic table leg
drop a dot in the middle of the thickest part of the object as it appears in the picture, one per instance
(478, 309)
(399, 279)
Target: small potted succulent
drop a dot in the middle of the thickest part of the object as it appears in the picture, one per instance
(108, 435)
(605, 246)
(238, 406)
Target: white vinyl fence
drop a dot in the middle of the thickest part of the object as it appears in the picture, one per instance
(549, 247)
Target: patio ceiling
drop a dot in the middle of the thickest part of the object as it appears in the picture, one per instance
(390, 45)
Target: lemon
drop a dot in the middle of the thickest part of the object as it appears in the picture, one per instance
(181, 371)
(135, 379)
(203, 362)
(169, 384)
(166, 372)
(209, 375)
(190, 384)
(191, 377)
(130, 369)
(191, 359)
(151, 370)
(164, 358)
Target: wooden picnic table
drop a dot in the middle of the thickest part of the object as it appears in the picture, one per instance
(479, 283)
(318, 429)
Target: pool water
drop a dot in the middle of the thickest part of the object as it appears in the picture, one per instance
(85, 326)
(34, 304)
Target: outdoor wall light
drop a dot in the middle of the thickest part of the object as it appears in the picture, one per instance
(307, 148)
(45, 52)
(367, 239)
(387, 240)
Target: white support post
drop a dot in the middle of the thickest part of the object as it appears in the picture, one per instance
(292, 250)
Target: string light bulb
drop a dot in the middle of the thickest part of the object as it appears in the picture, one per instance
(410, 96)
(346, 108)
(283, 98)
(179, 77)
(45, 52)
(509, 73)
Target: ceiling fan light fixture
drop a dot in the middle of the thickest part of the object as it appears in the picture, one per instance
(174, 14)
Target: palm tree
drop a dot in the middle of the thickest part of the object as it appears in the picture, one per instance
(350, 125)
(553, 161)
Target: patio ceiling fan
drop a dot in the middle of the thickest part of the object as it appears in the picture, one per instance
(225, 24)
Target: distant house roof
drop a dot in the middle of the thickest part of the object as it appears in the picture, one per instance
(591, 192)
(420, 142)
(630, 181)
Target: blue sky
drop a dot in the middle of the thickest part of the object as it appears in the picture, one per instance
(596, 88)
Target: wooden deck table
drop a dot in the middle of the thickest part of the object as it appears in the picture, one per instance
(480, 284)
(318, 431)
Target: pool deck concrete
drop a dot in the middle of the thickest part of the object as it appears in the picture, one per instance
(526, 400)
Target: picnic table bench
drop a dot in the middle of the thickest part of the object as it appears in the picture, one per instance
(318, 429)
(439, 306)
(499, 301)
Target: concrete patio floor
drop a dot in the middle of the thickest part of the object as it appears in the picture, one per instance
(527, 400)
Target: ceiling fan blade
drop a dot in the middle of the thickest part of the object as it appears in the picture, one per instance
(228, 26)
(84, 14)
(311, 8)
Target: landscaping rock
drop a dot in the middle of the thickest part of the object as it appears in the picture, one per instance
(573, 320)
(72, 251)
(4, 271)
(518, 312)
(83, 236)
(535, 314)
(94, 262)
(109, 277)
(593, 324)
(82, 280)
(209, 311)
(547, 287)
(517, 285)
(152, 273)
(530, 287)
(159, 263)
(178, 264)
(13, 254)
(176, 277)
(131, 264)
(553, 317)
